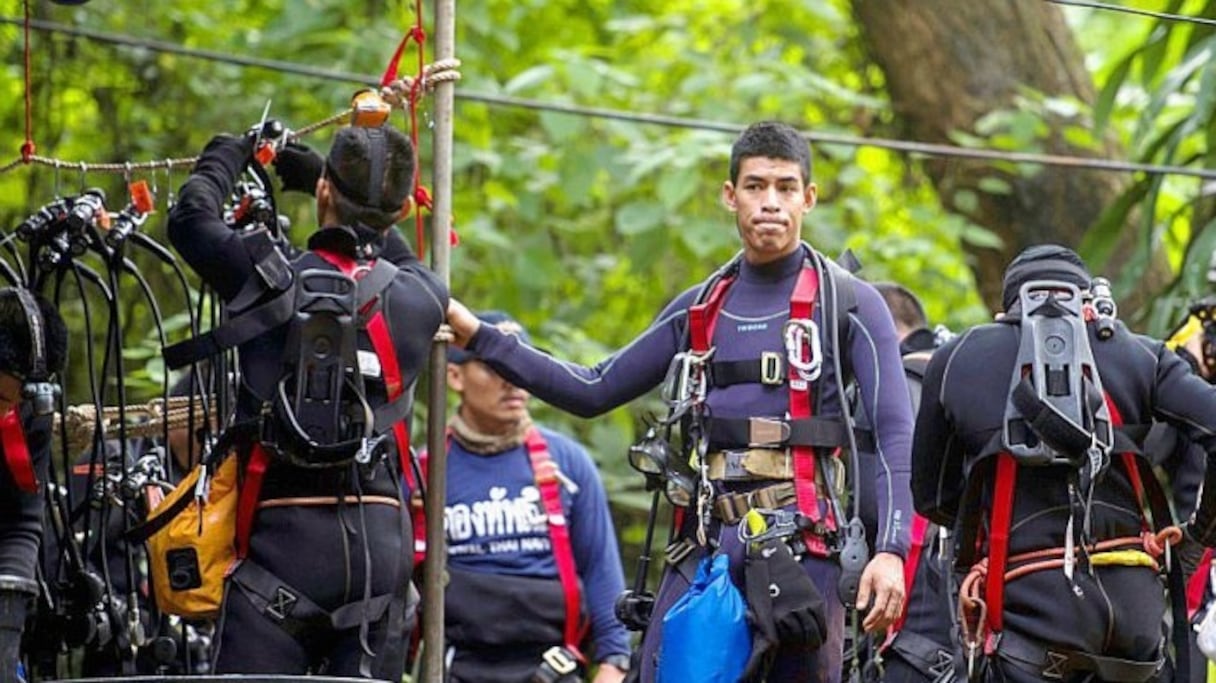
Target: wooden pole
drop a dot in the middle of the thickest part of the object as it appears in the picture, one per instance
(436, 481)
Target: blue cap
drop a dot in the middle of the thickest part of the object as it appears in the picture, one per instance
(498, 319)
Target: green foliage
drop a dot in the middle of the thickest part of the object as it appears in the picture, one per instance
(1159, 97)
(585, 227)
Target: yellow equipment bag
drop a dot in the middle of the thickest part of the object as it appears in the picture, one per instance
(191, 546)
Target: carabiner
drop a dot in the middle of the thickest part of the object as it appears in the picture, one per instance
(802, 335)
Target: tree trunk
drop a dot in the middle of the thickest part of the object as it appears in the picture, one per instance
(948, 63)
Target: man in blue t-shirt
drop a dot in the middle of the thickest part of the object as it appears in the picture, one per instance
(506, 606)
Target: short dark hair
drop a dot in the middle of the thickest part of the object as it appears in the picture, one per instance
(774, 140)
(906, 308)
(15, 336)
(348, 167)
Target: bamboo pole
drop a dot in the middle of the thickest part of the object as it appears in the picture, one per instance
(436, 481)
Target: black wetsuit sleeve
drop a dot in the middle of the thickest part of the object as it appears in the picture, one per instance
(21, 511)
(196, 227)
(1186, 468)
(878, 367)
(937, 457)
(588, 391)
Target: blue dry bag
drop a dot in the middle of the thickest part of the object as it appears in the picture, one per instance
(705, 634)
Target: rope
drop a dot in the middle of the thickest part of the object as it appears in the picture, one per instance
(908, 146)
(973, 610)
(405, 93)
(79, 422)
(27, 148)
(432, 75)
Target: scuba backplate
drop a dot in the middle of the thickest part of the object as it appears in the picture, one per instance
(322, 418)
(1056, 413)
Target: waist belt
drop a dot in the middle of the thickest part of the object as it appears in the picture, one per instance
(293, 611)
(730, 507)
(1058, 664)
(772, 432)
(750, 464)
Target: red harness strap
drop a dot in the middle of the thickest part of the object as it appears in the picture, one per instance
(544, 471)
(382, 343)
(802, 307)
(1129, 464)
(920, 526)
(17, 452)
(998, 539)
(1002, 516)
(386, 353)
(1198, 583)
(247, 498)
(702, 320)
(703, 317)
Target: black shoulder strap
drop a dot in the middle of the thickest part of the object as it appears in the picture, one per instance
(234, 332)
(267, 316)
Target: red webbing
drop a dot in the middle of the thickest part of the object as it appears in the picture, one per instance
(17, 452)
(802, 307)
(543, 471)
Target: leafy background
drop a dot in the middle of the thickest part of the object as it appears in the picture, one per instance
(583, 227)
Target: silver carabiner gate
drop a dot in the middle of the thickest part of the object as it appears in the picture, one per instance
(802, 335)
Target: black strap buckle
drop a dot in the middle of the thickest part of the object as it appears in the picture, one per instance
(281, 605)
(767, 432)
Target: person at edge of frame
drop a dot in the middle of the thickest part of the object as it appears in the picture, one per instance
(1182, 463)
(334, 540)
(33, 350)
(768, 190)
(1101, 617)
(926, 618)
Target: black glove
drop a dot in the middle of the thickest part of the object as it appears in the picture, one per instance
(783, 604)
(13, 608)
(235, 152)
(799, 612)
(299, 167)
(756, 582)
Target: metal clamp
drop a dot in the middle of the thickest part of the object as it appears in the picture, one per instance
(800, 334)
(780, 524)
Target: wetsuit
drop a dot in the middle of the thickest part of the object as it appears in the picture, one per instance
(342, 556)
(922, 649)
(965, 392)
(21, 510)
(755, 309)
(498, 533)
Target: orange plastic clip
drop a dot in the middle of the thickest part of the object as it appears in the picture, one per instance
(141, 196)
(265, 154)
